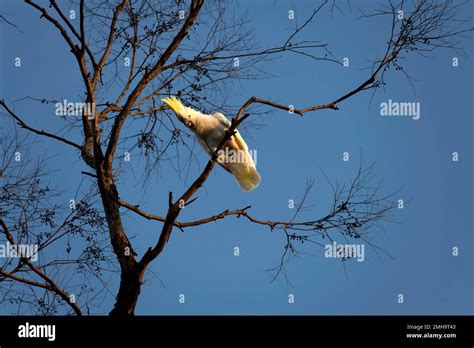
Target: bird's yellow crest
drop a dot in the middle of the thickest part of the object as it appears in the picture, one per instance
(174, 103)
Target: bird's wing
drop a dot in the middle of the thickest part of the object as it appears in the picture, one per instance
(241, 144)
(244, 171)
(210, 151)
(222, 119)
(205, 146)
(241, 166)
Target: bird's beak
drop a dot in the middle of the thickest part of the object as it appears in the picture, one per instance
(173, 103)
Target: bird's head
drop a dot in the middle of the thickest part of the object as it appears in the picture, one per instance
(185, 114)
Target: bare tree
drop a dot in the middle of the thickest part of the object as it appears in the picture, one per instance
(29, 216)
(188, 48)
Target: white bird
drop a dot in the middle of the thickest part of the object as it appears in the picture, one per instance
(209, 131)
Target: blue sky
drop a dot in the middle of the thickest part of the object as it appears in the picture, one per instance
(415, 155)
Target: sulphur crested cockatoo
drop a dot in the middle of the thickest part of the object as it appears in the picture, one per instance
(209, 131)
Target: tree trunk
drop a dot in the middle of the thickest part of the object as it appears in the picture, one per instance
(131, 276)
(130, 284)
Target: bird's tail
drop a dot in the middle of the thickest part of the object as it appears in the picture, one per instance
(250, 180)
(246, 175)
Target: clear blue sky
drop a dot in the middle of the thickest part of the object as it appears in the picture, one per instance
(415, 155)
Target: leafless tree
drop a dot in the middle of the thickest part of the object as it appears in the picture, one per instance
(29, 216)
(186, 48)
